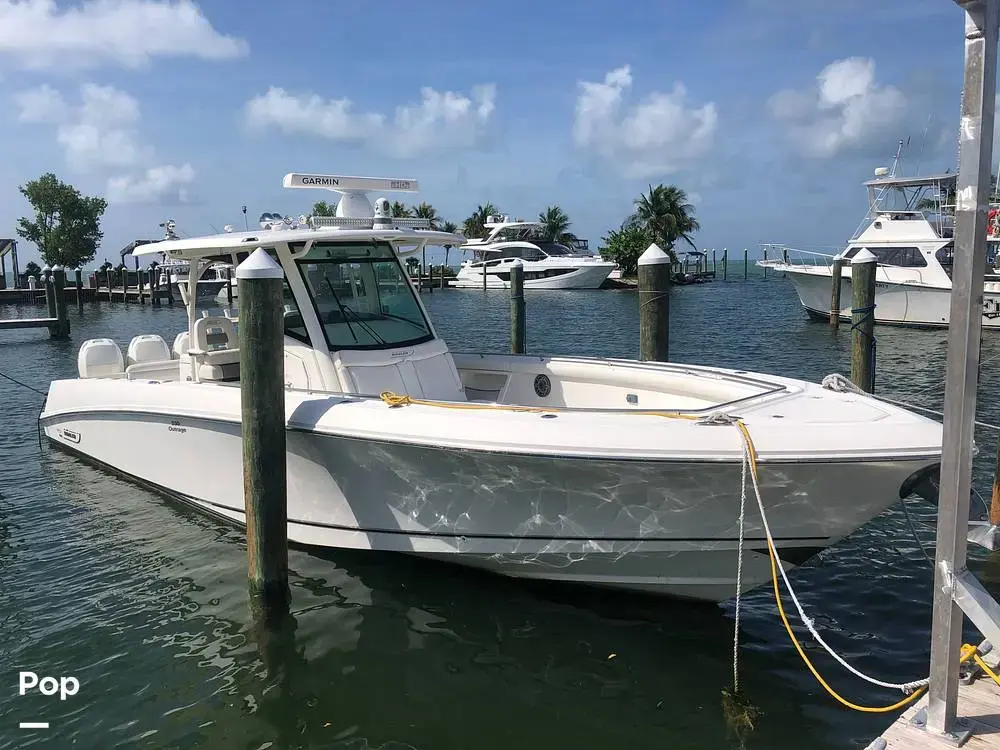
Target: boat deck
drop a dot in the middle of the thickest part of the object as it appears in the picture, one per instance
(978, 705)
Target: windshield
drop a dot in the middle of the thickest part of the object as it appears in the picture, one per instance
(361, 296)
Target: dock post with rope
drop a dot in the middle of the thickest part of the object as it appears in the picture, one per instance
(262, 394)
(863, 267)
(654, 305)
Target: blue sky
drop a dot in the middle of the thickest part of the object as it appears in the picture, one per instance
(769, 113)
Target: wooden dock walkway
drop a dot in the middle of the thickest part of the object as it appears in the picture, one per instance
(978, 705)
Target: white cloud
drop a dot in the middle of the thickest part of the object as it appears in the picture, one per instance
(440, 120)
(99, 132)
(166, 184)
(39, 34)
(659, 135)
(41, 105)
(845, 111)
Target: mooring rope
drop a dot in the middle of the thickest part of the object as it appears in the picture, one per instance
(867, 313)
(23, 385)
(739, 573)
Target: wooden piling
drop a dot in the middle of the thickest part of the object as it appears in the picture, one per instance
(442, 277)
(713, 261)
(725, 263)
(262, 393)
(863, 268)
(107, 274)
(654, 304)
(61, 328)
(517, 326)
(125, 285)
(139, 278)
(50, 290)
(765, 259)
(746, 264)
(154, 285)
(836, 281)
(78, 279)
(229, 289)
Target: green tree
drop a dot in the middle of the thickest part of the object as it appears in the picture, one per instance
(475, 226)
(66, 226)
(666, 216)
(426, 211)
(32, 269)
(399, 210)
(557, 225)
(322, 208)
(451, 227)
(624, 246)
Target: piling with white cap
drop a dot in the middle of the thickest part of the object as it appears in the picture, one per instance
(654, 304)
(262, 392)
(863, 267)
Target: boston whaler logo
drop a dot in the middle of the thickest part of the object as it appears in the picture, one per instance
(175, 426)
(69, 435)
(991, 308)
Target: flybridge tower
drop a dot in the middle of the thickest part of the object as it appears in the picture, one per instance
(354, 203)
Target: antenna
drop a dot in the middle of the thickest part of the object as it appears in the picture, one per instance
(354, 201)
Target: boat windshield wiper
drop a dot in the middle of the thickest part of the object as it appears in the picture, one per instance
(342, 312)
(371, 331)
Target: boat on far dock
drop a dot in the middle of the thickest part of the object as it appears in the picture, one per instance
(910, 229)
(547, 264)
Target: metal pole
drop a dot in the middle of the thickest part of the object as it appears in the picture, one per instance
(964, 333)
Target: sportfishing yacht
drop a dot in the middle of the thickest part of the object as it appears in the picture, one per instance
(547, 264)
(910, 228)
(605, 471)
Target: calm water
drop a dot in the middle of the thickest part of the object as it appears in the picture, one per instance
(145, 603)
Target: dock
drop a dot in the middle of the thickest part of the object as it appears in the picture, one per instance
(978, 711)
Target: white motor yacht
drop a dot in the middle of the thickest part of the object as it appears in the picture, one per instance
(910, 229)
(547, 264)
(605, 471)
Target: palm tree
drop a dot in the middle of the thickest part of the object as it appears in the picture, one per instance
(448, 226)
(399, 210)
(475, 225)
(556, 225)
(426, 211)
(666, 216)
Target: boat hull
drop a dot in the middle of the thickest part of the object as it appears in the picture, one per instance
(667, 527)
(896, 303)
(589, 276)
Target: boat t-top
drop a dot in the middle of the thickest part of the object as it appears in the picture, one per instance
(547, 264)
(604, 471)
